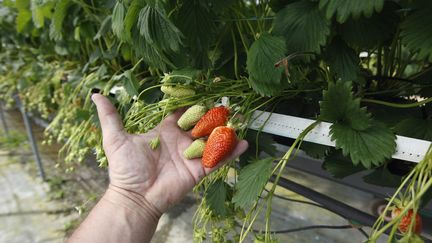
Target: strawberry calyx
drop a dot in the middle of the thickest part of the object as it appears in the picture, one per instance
(236, 125)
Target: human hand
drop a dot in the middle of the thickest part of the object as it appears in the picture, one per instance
(161, 177)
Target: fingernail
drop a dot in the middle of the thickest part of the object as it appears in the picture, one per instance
(94, 91)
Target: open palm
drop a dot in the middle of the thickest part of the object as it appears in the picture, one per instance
(163, 176)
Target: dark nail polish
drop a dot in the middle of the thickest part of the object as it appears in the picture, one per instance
(95, 90)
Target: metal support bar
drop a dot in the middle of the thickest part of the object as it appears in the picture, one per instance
(3, 120)
(31, 138)
(329, 203)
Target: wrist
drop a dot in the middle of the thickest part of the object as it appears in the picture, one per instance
(133, 202)
(120, 216)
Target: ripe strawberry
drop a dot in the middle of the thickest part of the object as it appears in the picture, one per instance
(191, 117)
(195, 150)
(220, 143)
(177, 91)
(215, 117)
(405, 223)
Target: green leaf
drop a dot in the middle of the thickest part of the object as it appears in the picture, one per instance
(182, 76)
(391, 116)
(366, 142)
(61, 49)
(37, 14)
(152, 55)
(126, 52)
(38, 17)
(340, 166)
(369, 147)
(383, 177)
(415, 128)
(24, 15)
(304, 26)
(82, 115)
(337, 101)
(416, 31)
(155, 3)
(118, 17)
(158, 30)
(41, 11)
(263, 54)
(265, 89)
(131, 83)
(339, 106)
(373, 31)
(345, 8)
(84, 31)
(22, 4)
(315, 150)
(220, 5)
(343, 60)
(60, 12)
(131, 17)
(196, 22)
(23, 19)
(252, 180)
(215, 197)
(104, 28)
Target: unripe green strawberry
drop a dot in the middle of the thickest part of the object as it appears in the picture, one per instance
(191, 117)
(195, 150)
(177, 91)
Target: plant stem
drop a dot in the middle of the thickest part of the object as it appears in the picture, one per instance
(282, 164)
(242, 38)
(379, 61)
(397, 105)
(235, 55)
(243, 233)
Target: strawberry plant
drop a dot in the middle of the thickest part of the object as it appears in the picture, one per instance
(364, 66)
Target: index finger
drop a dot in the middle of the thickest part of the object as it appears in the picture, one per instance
(109, 118)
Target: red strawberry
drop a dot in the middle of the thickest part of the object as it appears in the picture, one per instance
(220, 143)
(215, 117)
(405, 222)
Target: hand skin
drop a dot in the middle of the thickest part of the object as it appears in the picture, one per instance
(144, 183)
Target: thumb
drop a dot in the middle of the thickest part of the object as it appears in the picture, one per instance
(110, 121)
